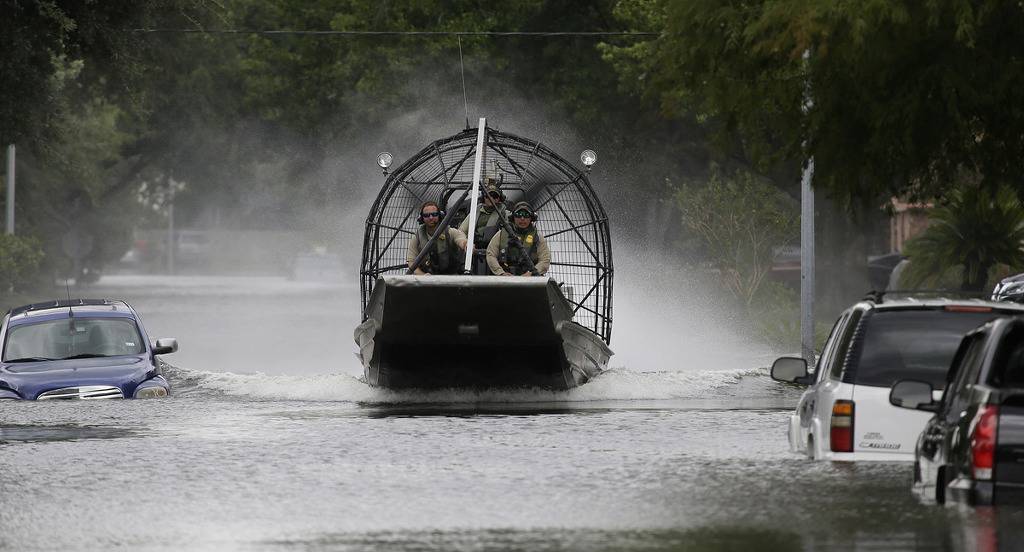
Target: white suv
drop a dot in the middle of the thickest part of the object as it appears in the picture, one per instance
(845, 413)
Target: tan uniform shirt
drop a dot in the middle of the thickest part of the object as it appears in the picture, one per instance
(455, 235)
(543, 254)
(482, 216)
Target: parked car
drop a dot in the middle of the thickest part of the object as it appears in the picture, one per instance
(845, 413)
(1009, 289)
(972, 450)
(80, 349)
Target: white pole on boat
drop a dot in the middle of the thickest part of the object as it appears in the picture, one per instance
(475, 194)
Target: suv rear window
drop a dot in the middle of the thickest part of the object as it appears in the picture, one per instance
(1008, 365)
(908, 344)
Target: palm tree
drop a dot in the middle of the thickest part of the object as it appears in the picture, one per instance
(975, 230)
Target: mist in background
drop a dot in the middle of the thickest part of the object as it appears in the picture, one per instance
(259, 151)
(667, 315)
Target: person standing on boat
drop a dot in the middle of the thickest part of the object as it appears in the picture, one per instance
(445, 255)
(507, 257)
(488, 222)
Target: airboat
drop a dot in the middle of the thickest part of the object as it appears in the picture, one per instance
(482, 331)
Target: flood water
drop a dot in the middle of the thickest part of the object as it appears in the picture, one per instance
(271, 442)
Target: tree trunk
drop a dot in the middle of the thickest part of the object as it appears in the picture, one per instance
(975, 282)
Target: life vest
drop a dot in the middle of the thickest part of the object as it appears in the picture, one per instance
(512, 257)
(441, 259)
(486, 227)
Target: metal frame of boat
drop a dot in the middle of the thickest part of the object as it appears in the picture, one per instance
(487, 331)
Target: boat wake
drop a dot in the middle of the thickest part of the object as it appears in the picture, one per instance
(617, 384)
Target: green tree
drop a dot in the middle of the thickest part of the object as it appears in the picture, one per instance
(906, 95)
(38, 38)
(974, 230)
(740, 219)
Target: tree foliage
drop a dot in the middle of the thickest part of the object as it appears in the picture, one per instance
(38, 39)
(975, 230)
(906, 96)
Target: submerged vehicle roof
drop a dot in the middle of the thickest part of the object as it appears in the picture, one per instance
(934, 299)
(94, 306)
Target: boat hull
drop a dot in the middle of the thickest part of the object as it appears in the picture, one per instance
(433, 332)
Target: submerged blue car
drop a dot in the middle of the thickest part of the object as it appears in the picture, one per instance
(80, 349)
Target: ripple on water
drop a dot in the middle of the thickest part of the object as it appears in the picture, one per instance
(619, 384)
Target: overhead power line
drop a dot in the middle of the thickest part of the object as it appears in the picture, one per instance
(400, 33)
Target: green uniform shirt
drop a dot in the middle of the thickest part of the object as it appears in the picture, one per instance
(542, 263)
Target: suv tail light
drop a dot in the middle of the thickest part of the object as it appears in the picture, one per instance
(983, 441)
(840, 434)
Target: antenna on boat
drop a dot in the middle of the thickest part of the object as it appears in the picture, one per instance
(475, 193)
(462, 68)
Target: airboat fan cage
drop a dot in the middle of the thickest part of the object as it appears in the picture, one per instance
(569, 215)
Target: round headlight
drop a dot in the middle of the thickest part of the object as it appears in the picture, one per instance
(151, 392)
(588, 158)
(384, 160)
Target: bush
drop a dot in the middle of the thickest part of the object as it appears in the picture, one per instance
(20, 259)
(775, 314)
(973, 232)
(740, 219)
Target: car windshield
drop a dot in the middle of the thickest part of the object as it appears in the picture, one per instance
(909, 344)
(72, 338)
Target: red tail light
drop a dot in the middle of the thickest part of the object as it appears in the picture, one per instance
(841, 428)
(966, 308)
(983, 441)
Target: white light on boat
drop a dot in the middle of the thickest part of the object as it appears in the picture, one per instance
(588, 157)
(384, 160)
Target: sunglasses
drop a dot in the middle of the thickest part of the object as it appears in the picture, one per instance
(435, 214)
(522, 214)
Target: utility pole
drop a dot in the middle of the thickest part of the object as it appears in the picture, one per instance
(170, 226)
(807, 263)
(807, 239)
(10, 190)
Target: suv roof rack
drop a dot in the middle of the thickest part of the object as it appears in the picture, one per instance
(61, 303)
(878, 296)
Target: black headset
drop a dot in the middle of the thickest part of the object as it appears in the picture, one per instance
(485, 193)
(440, 212)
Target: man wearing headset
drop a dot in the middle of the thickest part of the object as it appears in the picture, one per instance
(445, 255)
(487, 224)
(506, 257)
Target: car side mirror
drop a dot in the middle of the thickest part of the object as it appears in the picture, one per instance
(790, 370)
(165, 345)
(916, 395)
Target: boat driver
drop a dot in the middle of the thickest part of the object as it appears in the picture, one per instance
(507, 257)
(487, 224)
(446, 254)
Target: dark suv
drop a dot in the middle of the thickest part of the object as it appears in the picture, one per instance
(972, 450)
